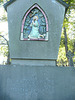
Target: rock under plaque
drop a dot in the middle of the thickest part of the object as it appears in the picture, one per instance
(34, 24)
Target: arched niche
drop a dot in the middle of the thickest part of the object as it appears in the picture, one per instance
(34, 24)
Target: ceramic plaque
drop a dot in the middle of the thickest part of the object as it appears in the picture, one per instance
(34, 24)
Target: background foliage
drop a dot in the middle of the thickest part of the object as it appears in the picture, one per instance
(69, 24)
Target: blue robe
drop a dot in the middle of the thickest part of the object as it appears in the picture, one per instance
(35, 30)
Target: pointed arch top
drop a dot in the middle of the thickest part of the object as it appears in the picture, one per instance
(30, 9)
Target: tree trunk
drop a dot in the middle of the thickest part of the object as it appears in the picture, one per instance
(66, 47)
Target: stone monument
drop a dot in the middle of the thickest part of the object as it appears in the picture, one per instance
(35, 30)
(34, 38)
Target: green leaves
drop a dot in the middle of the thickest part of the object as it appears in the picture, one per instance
(69, 24)
(3, 1)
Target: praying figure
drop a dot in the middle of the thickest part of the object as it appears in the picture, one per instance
(34, 34)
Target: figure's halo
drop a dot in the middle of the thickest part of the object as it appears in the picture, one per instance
(35, 17)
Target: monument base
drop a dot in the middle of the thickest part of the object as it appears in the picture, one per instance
(21, 82)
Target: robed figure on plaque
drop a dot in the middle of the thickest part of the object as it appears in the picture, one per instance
(34, 34)
(34, 25)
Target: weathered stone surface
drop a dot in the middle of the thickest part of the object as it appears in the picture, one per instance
(37, 83)
(35, 49)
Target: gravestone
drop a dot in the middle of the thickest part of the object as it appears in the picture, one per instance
(34, 38)
(35, 30)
